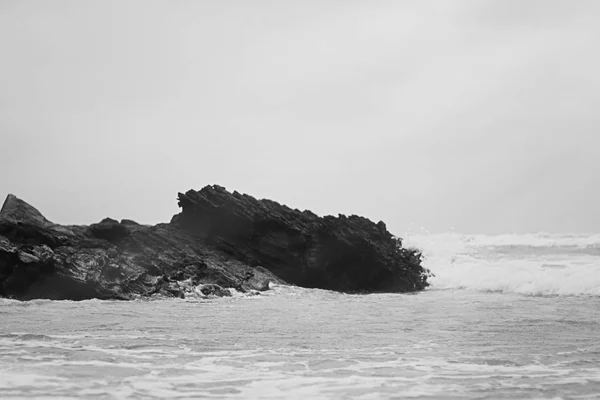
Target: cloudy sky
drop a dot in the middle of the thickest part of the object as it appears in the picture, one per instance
(478, 116)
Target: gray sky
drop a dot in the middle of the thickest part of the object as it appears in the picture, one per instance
(482, 116)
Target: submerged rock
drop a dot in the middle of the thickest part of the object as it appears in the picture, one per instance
(219, 240)
(213, 290)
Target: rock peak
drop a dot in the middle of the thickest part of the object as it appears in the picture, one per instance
(10, 199)
(16, 210)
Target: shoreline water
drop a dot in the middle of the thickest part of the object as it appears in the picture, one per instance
(484, 338)
(301, 342)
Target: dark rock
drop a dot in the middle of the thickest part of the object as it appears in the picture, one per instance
(219, 240)
(109, 229)
(212, 289)
(344, 253)
(22, 223)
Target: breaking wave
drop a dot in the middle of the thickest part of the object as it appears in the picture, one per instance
(531, 264)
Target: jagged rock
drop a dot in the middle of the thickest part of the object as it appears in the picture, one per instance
(213, 290)
(17, 212)
(344, 253)
(23, 223)
(219, 240)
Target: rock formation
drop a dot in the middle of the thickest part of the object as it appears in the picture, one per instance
(219, 240)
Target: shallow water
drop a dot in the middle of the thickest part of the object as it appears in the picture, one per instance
(498, 337)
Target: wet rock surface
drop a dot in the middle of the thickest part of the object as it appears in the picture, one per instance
(220, 240)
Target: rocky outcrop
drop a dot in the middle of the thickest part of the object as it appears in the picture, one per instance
(219, 240)
(339, 253)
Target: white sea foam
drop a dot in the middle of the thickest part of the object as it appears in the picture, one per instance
(540, 239)
(294, 342)
(533, 264)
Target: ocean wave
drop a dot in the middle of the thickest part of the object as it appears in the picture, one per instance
(540, 239)
(533, 264)
(277, 373)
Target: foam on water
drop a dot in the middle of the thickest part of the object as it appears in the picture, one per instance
(173, 372)
(473, 335)
(533, 264)
(302, 343)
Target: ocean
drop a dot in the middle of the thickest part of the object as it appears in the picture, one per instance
(506, 317)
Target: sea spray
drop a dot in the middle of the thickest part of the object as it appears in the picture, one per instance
(532, 264)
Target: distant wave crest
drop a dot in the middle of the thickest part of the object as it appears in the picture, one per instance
(530, 264)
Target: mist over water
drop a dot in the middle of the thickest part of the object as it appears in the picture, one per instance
(512, 316)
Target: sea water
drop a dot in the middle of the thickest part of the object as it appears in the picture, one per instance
(506, 317)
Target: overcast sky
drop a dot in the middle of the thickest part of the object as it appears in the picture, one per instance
(478, 116)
